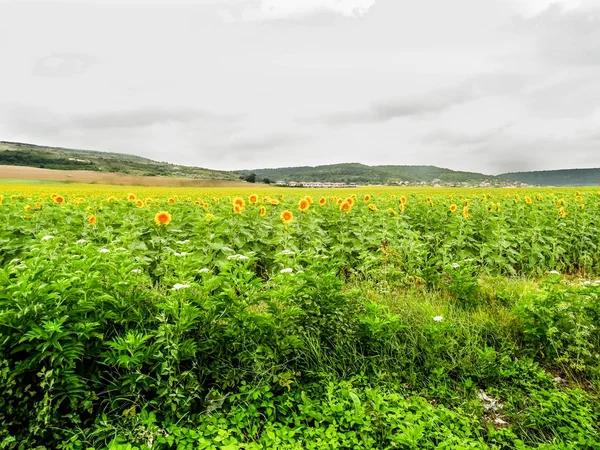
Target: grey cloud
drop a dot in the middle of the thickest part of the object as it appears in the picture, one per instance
(432, 102)
(566, 36)
(144, 117)
(459, 139)
(265, 143)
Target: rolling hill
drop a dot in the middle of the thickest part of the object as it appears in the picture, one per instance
(363, 174)
(566, 177)
(29, 155)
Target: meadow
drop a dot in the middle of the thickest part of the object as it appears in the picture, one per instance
(264, 318)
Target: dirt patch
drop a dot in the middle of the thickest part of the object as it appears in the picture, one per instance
(90, 177)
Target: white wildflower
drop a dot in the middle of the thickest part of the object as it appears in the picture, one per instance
(81, 241)
(104, 250)
(187, 241)
(288, 252)
(469, 260)
(181, 254)
(489, 403)
(455, 265)
(204, 270)
(288, 270)
(438, 318)
(178, 286)
(238, 257)
(554, 272)
(499, 421)
(120, 249)
(47, 238)
(136, 271)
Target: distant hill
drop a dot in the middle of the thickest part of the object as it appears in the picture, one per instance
(566, 177)
(29, 155)
(363, 174)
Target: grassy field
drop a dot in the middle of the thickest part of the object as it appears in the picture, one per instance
(34, 174)
(262, 318)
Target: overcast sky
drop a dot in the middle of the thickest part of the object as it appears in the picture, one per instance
(481, 85)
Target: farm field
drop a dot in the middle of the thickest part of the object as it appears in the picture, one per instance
(262, 318)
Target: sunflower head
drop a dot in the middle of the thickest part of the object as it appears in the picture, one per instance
(162, 218)
(303, 204)
(372, 207)
(237, 209)
(253, 198)
(367, 198)
(322, 201)
(238, 201)
(263, 211)
(59, 199)
(346, 207)
(131, 197)
(287, 216)
(92, 220)
(139, 204)
(453, 207)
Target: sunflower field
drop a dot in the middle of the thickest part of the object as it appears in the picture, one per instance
(263, 318)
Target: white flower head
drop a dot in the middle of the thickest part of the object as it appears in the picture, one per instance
(187, 241)
(554, 272)
(288, 252)
(178, 286)
(238, 257)
(438, 318)
(204, 270)
(288, 270)
(120, 249)
(469, 260)
(47, 238)
(136, 271)
(104, 250)
(81, 241)
(455, 265)
(181, 254)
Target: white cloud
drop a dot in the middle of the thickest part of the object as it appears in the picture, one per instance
(248, 11)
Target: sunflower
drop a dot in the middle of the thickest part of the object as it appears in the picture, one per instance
(92, 220)
(392, 212)
(274, 202)
(401, 207)
(171, 200)
(403, 200)
(346, 207)
(465, 212)
(303, 204)
(253, 198)
(560, 203)
(59, 199)
(237, 209)
(139, 204)
(372, 207)
(131, 197)
(322, 201)
(309, 199)
(287, 216)
(209, 217)
(578, 198)
(282, 196)
(562, 212)
(453, 207)
(528, 200)
(197, 202)
(27, 207)
(340, 201)
(539, 197)
(367, 198)
(239, 202)
(350, 200)
(263, 211)
(162, 218)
